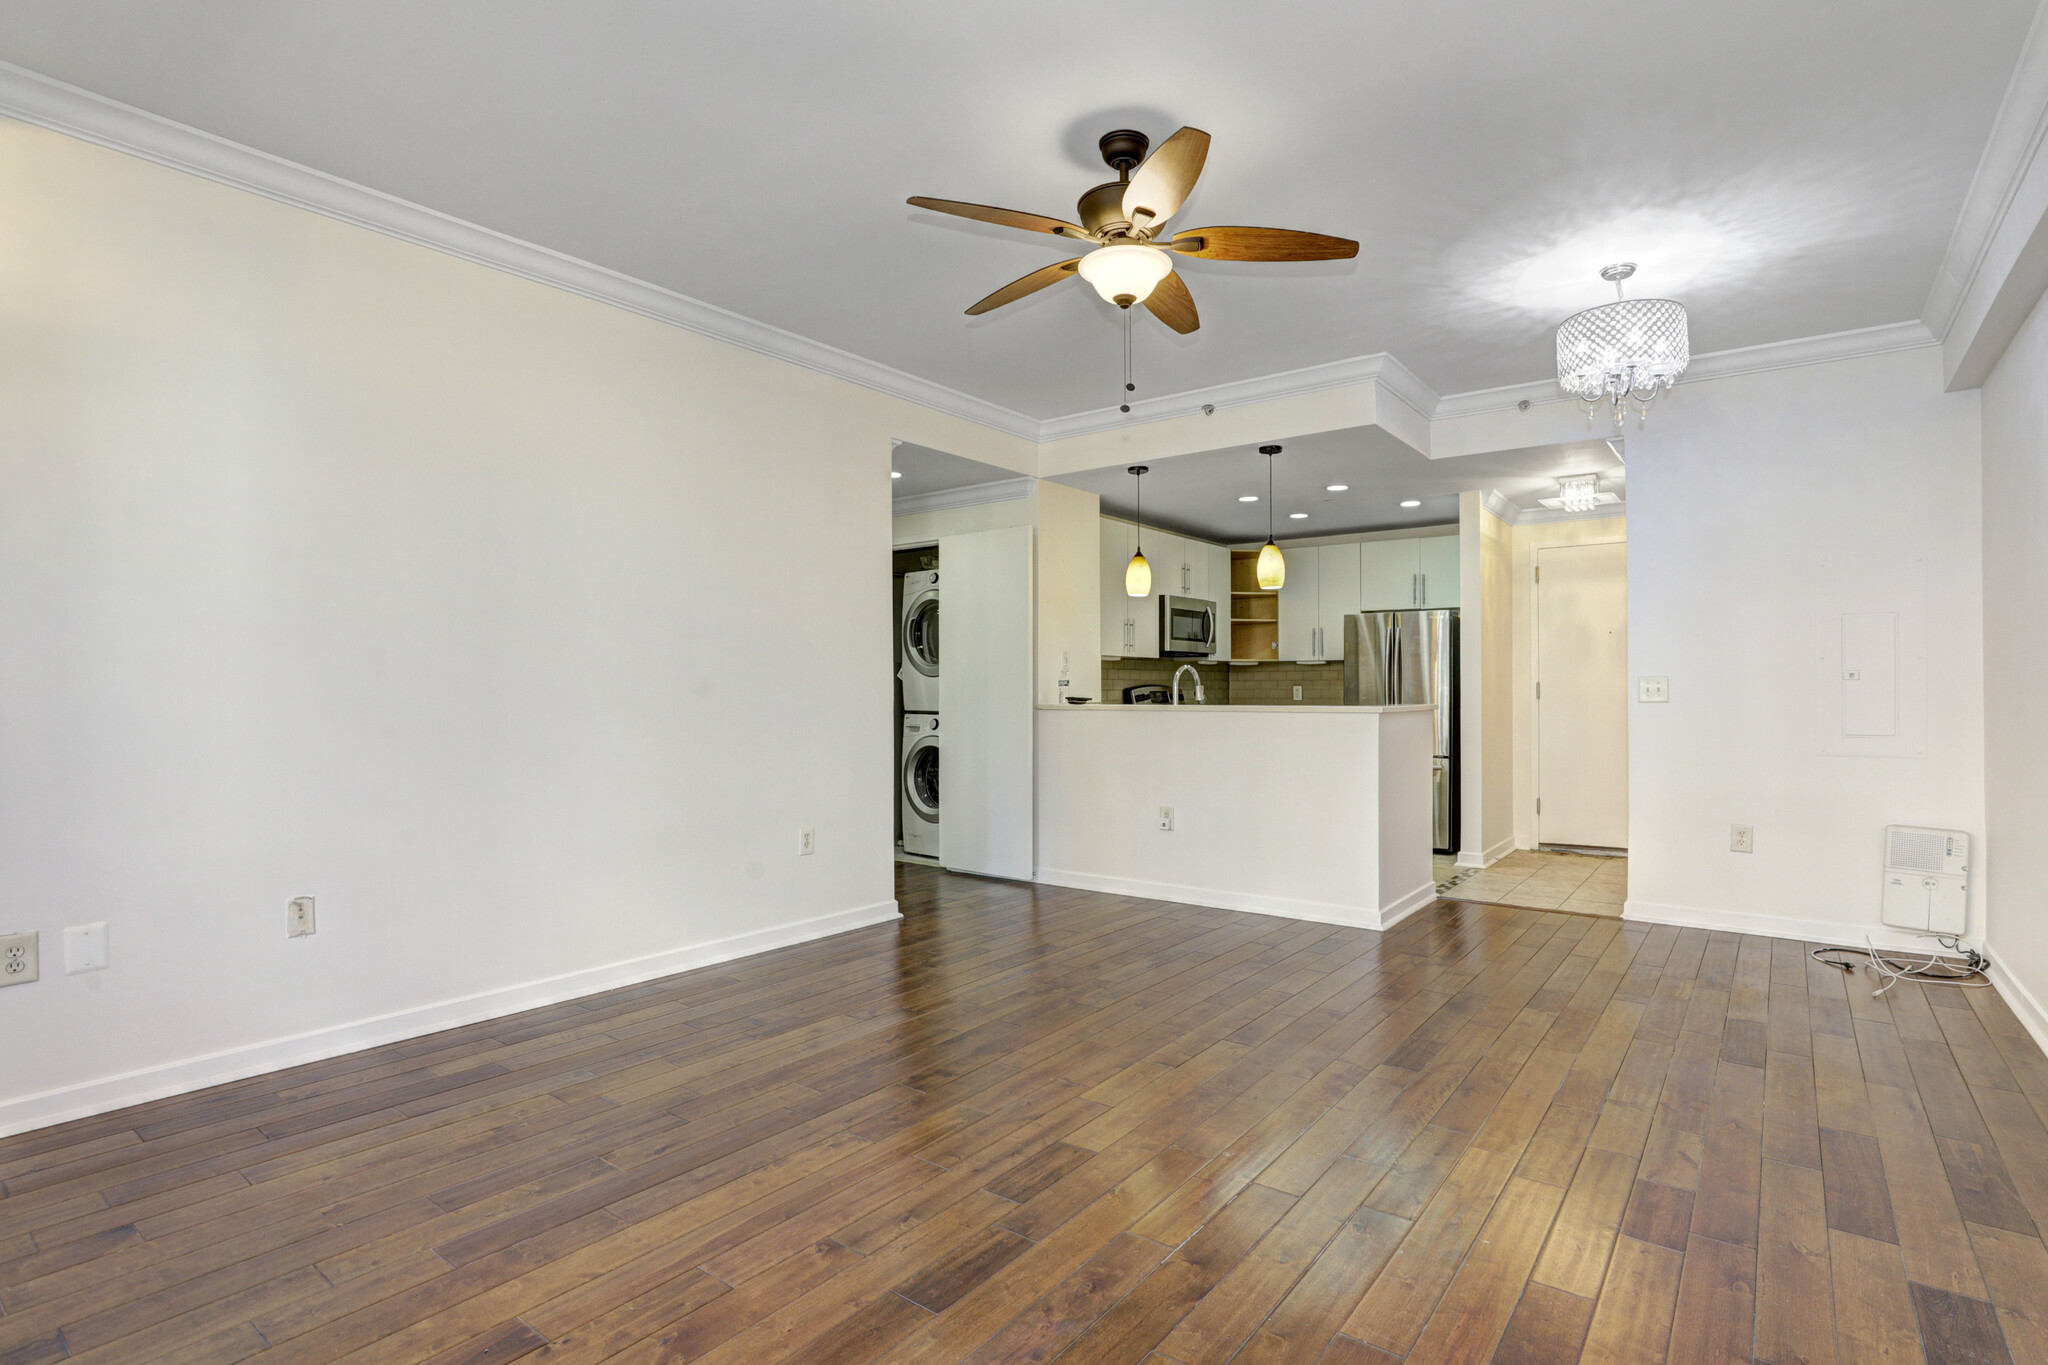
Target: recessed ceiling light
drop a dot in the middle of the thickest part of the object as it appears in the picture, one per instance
(1296, 516)
(1249, 497)
(895, 473)
(1413, 502)
(1337, 488)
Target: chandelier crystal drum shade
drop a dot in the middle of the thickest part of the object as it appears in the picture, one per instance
(1621, 355)
(1138, 573)
(1272, 565)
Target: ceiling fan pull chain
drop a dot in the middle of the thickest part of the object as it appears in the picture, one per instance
(1129, 387)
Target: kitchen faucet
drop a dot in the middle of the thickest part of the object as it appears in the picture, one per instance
(1187, 668)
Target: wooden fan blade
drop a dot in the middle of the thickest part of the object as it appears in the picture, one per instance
(1162, 184)
(1261, 244)
(1029, 284)
(1171, 303)
(1016, 218)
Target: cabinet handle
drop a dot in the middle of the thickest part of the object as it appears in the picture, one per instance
(1425, 590)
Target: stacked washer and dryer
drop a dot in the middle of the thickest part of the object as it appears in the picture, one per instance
(918, 765)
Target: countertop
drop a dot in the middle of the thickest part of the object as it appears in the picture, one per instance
(1227, 709)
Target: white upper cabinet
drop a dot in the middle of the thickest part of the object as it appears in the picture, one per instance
(1300, 604)
(1439, 559)
(1389, 575)
(1116, 608)
(1337, 584)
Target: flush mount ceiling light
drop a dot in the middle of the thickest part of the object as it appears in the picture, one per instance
(1272, 566)
(1138, 574)
(1621, 355)
(1337, 488)
(1579, 493)
(1413, 502)
(1130, 260)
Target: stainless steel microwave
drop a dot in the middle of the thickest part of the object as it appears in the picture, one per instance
(1187, 628)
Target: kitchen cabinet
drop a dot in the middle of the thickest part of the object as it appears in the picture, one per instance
(1337, 587)
(1117, 616)
(1438, 560)
(1215, 580)
(1387, 574)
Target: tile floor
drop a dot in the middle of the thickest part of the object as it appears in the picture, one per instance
(1544, 881)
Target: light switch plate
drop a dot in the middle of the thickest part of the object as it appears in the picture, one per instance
(85, 947)
(20, 958)
(1653, 689)
(298, 917)
(1166, 817)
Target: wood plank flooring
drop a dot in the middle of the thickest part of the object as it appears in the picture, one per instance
(1032, 1124)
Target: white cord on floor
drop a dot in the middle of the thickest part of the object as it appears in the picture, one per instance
(1934, 969)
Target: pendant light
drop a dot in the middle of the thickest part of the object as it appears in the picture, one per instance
(1272, 564)
(1138, 574)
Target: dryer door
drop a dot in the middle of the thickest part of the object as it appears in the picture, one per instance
(921, 632)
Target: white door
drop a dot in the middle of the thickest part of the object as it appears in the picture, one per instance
(1116, 611)
(1387, 572)
(1337, 584)
(985, 704)
(1437, 562)
(1582, 695)
(1300, 604)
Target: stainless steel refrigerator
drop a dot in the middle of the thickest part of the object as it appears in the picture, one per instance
(1410, 658)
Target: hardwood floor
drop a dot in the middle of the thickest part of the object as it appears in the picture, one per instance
(1031, 1123)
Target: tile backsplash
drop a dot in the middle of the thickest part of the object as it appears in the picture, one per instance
(1234, 684)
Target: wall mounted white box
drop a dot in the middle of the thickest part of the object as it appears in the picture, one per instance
(85, 948)
(1926, 879)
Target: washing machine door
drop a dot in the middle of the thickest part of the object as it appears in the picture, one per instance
(921, 633)
(921, 778)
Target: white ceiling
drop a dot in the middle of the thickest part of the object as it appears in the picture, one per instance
(1199, 494)
(1784, 169)
(925, 470)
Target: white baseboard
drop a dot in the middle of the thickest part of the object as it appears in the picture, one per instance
(1488, 857)
(1774, 926)
(196, 1073)
(2022, 1001)
(1320, 912)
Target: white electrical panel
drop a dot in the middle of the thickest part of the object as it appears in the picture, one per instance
(1926, 879)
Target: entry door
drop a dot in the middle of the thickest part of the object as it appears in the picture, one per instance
(1582, 695)
(985, 703)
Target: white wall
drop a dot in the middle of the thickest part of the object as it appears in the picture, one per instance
(334, 566)
(1739, 489)
(1069, 591)
(1526, 539)
(925, 528)
(1485, 642)
(2015, 398)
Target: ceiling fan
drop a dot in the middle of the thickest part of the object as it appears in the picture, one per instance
(1122, 220)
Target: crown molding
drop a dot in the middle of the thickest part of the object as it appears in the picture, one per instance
(1496, 502)
(46, 103)
(1533, 515)
(946, 499)
(1390, 374)
(2017, 134)
(1771, 355)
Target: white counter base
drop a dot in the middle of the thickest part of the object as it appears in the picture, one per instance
(1314, 813)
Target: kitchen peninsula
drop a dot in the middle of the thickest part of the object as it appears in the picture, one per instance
(1314, 812)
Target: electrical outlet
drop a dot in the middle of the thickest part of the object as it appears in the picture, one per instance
(20, 959)
(806, 841)
(1742, 838)
(85, 948)
(1166, 817)
(1653, 689)
(1297, 692)
(298, 917)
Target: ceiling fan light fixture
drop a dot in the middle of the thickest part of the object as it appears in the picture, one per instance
(1125, 273)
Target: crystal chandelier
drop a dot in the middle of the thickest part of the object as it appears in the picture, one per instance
(1579, 493)
(1621, 355)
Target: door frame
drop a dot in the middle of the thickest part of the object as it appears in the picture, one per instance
(1536, 668)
